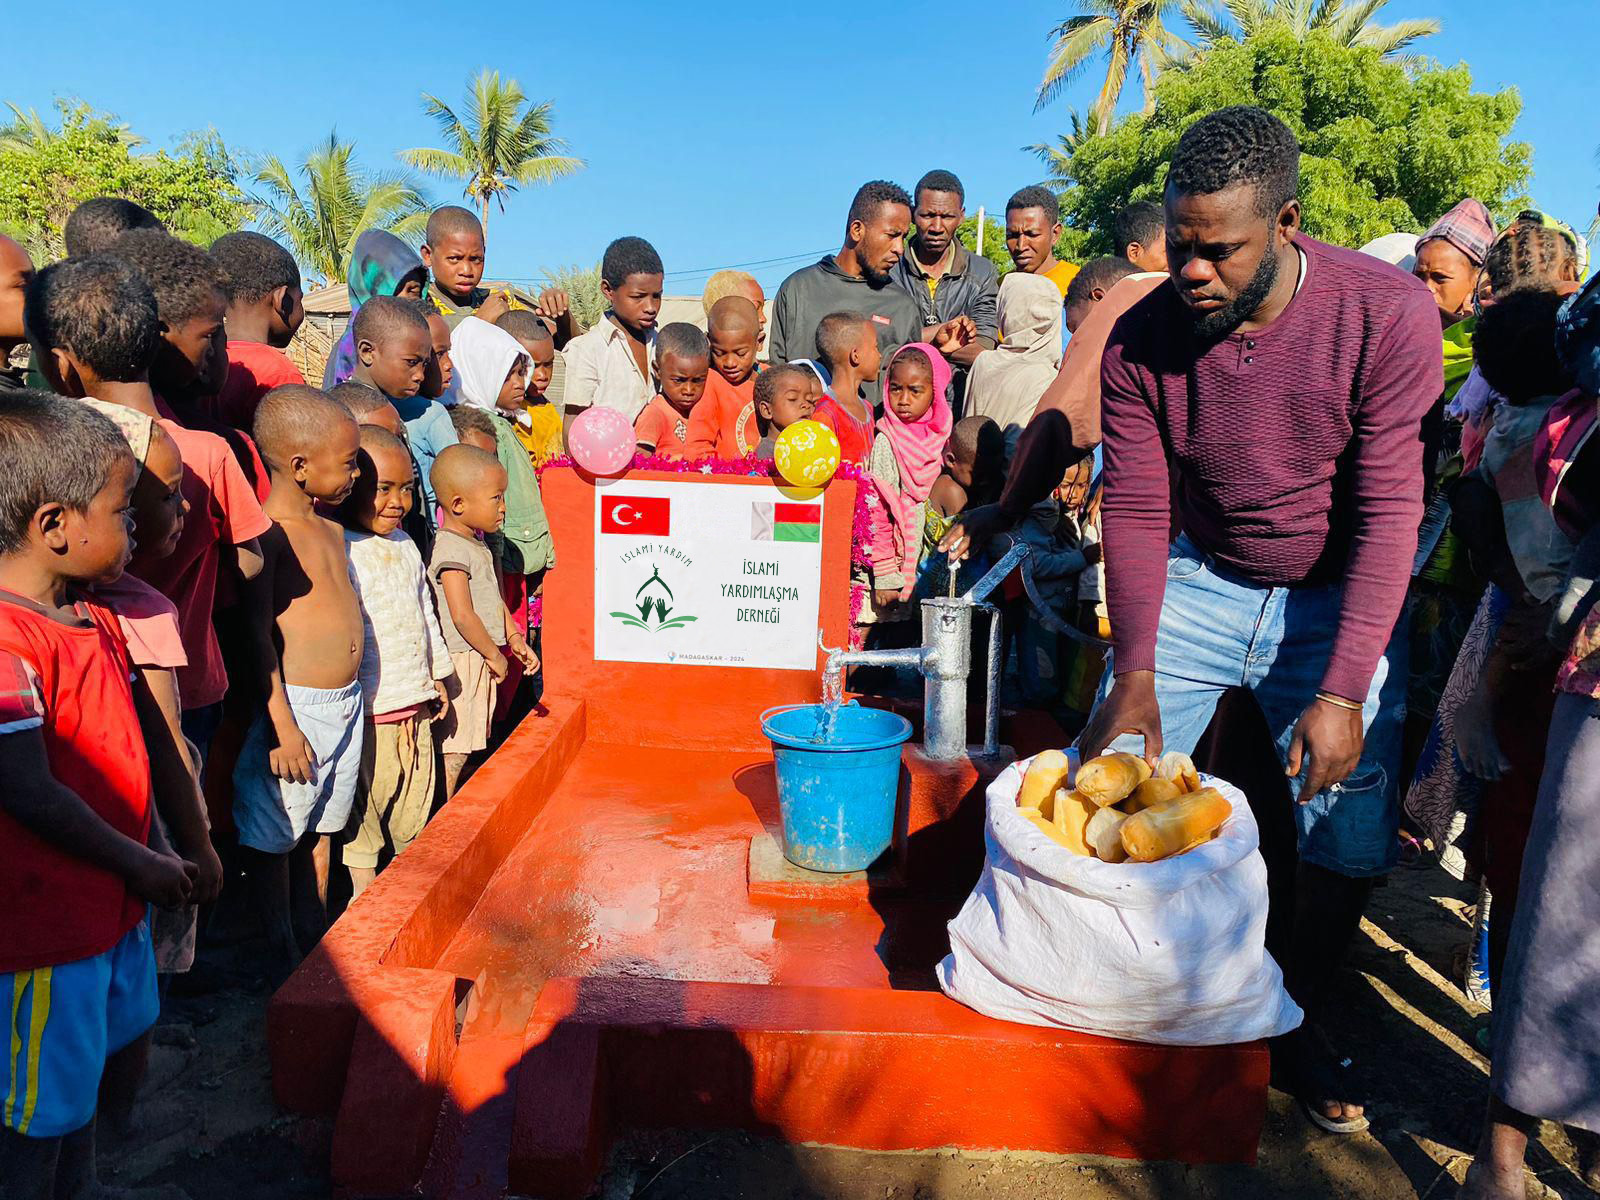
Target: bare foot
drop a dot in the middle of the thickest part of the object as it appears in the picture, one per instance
(1485, 1181)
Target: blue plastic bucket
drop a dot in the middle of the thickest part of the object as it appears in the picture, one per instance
(837, 798)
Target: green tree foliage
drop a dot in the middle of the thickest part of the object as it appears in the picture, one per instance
(497, 143)
(1127, 33)
(319, 216)
(994, 238)
(1071, 246)
(1384, 147)
(48, 170)
(1348, 22)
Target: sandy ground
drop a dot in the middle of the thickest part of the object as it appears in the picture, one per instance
(1404, 1021)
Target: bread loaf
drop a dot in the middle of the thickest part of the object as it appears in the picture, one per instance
(1111, 777)
(1104, 835)
(1178, 767)
(1175, 825)
(1048, 771)
(1151, 793)
(1070, 813)
(1070, 831)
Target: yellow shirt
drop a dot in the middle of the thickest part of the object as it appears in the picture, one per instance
(541, 438)
(1061, 275)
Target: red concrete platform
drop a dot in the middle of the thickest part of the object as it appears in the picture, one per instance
(572, 948)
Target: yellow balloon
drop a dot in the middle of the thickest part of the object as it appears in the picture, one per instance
(807, 453)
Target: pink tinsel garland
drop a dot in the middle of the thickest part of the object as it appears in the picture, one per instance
(860, 526)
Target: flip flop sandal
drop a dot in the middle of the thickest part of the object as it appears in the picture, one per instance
(1317, 1080)
(1322, 1121)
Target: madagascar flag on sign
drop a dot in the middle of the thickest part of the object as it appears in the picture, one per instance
(775, 522)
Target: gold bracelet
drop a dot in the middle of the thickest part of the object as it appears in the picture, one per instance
(1340, 702)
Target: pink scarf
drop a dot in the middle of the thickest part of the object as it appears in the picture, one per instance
(918, 449)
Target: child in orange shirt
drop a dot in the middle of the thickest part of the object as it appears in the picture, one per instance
(683, 360)
(723, 424)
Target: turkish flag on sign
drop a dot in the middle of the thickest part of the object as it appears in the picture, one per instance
(642, 516)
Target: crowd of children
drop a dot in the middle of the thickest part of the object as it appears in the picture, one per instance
(323, 604)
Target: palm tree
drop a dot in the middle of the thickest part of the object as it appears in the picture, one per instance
(1127, 31)
(1348, 22)
(1057, 158)
(338, 201)
(496, 145)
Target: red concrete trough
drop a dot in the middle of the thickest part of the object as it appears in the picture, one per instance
(581, 943)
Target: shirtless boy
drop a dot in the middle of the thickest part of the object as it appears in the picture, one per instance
(296, 776)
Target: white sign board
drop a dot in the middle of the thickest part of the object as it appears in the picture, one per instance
(706, 574)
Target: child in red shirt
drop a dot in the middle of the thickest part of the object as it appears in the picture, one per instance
(683, 360)
(848, 346)
(723, 424)
(265, 307)
(96, 328)
(82, 858)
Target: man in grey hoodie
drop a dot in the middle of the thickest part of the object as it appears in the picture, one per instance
(857, 279)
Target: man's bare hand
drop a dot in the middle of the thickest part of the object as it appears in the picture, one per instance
(1130, 708)
(954, 333)
(1327, 743)
(975, 528)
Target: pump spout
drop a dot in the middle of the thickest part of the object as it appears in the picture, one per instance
(916, 657)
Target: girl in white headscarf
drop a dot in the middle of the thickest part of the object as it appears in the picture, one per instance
(493, 370)
(1006, 382)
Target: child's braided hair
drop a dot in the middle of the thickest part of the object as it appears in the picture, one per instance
(1528, 254)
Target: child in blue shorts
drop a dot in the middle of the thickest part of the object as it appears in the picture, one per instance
(82, 858)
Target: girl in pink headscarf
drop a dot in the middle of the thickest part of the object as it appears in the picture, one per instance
(907, 456)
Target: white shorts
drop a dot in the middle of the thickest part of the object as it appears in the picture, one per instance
(273, 814)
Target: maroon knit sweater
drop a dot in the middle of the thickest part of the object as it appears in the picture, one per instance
(1296, 450)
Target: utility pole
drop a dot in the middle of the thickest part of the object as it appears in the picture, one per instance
(978, 241)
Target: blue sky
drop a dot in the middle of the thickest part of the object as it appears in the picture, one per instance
(724, 133)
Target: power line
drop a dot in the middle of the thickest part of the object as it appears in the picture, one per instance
(759, 262)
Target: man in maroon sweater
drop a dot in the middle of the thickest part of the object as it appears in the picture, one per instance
(1276, 391)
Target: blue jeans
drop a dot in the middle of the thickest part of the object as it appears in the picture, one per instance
(1218, 631)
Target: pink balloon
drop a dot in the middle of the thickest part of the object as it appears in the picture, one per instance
(601, 440)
